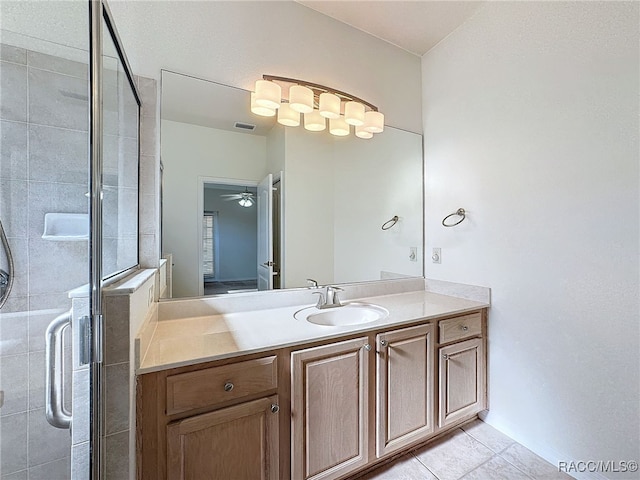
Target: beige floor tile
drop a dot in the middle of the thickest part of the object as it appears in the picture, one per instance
(488, 436)
(530, 463)
(497, 468)
(405, 468)
(454, 455)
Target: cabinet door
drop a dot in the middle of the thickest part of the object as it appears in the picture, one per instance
(462, 386)
(329, 387)
(405, 374)
(239, 443)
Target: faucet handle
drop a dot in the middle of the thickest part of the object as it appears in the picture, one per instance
(312, 283)
(321, 301)
(332, 295)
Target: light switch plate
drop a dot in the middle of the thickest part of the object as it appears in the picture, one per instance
(436, 255)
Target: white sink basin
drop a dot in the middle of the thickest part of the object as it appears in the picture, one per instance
(348, 314)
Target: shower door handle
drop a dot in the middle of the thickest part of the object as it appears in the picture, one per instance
(56, 413)
(6, 278)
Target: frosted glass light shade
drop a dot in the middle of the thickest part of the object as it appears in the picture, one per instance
(258, 110)
(288, 116)
(301, 99)
(338, 127)
(268, 94)
(373, 122)
(362, 133)
(314, 122)
(329, 105)
(354, 113)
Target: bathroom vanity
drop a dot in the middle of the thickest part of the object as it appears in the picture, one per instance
(306, 401)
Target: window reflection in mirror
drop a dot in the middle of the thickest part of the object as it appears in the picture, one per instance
(329, 195)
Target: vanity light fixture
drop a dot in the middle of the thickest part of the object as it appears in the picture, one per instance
(288, 116)
(316, 103)
(329, 105)
(259, 109)
(314, 121)
(362, 133)
(268, 94)
(338, 127)
(354, 113)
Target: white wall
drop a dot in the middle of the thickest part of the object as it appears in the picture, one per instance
(531, 124)
(235, 43)
(237, 236)
(308, 212)
(210, 153)
(391, 186)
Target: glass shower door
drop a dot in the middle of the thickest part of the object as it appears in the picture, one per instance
(44, 179)
(68, 207)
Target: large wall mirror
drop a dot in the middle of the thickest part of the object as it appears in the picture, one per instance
(249, 204)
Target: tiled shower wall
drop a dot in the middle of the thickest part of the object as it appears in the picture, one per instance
(43, 168)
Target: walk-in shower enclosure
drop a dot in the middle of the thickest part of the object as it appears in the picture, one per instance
(69, 128)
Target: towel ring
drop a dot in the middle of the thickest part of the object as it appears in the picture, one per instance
(390, 223)
(460, 212)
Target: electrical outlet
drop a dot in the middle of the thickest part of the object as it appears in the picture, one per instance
(413, 254)
(151, 295)
(436, 255)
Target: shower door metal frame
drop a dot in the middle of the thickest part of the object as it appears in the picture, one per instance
(99, 12)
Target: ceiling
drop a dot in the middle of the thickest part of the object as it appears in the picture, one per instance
(192, 100)
(415, 26)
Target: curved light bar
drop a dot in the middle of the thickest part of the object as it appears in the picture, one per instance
(317, 103)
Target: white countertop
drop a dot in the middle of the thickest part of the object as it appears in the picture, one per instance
(188, 341)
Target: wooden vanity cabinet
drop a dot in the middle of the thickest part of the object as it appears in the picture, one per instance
(462, 368)
(405, 376)
(239, 442)
(414, 375)
(330, 407)
(331, 387)
(211, 421)
(321, 411)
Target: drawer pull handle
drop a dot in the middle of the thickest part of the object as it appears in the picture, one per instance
(275, 408)
(228, 387)
(464, 328)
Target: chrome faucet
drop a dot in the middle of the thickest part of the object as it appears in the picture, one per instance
(329, 299)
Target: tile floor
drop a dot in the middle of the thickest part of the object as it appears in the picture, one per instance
(476, 451)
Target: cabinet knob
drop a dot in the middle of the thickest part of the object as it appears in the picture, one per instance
(367, 347)
(464, 328)
(445, 356)
(275, 408)
(384, 343)
(228, 387)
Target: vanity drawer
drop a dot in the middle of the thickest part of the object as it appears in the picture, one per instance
(211, 386)
(460, 327)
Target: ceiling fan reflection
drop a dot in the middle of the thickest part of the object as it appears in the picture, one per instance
(245, 199)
